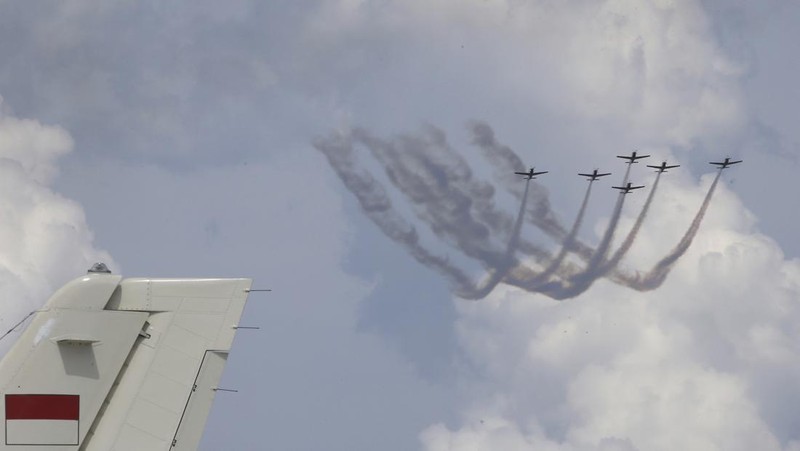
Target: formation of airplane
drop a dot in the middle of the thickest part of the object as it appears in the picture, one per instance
(663, 166)
(120, 364)
(627, 188)
(724, 164)
(594, 175)
(530, 175)
(633, 157)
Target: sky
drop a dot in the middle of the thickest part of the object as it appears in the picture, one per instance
(233, 139)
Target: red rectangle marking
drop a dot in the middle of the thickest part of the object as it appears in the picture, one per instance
(42, 407)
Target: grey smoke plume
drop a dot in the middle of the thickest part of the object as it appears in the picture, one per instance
(629, 239)
(576, 284)
(656, 276)
(460, 211)
(505, 161)
(376, 204)
(497, 274)
(525, 278)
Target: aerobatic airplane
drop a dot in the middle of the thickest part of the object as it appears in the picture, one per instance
(594, 175)
(120, 364)
(663, 166)
(725, 164)
(633, 157)
(530, 174)
(627, 188)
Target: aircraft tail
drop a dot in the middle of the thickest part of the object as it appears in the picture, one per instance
(113, 364)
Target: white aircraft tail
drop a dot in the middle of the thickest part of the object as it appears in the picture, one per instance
(124, 365)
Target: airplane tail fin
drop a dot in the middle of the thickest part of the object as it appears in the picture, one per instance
(112, 364)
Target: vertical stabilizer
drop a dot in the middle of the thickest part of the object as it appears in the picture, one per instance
(112, 364)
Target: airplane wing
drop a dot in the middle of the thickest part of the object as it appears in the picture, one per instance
(123, 365)
(653, 166)
(626, 157)
(521, 173)
(641, 156)
(718, 163)
(635, 187)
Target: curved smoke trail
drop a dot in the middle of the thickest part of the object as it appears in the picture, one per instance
(377, 206)
(497, 274)
(656, 276)
(628, 242)
(505, 161)
(440, 192)
(529, 280)
(580, 282)
(460, 211)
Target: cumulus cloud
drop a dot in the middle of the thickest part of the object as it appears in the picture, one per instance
(653, 69)
(570, 81)
(702, 363)
(44, 238)
(706, 361)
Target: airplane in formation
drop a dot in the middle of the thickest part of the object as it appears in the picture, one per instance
(663, 166)
(594, 175)
(633, 157)
(120, 364)
(530, 175)
(627, 188)
(726, 163)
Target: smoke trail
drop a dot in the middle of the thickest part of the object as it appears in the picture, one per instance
(534, 280)
(441, 189)
(628, 242)
(497, 274)
(460, 211)
(376, 204)
(581, 281)
(599, 254)
(658, 274)
(505, 162)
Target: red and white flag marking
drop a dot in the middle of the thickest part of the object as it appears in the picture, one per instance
(42, 419)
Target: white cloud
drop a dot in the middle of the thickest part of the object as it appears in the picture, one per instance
(690, 366)
(651, 67)
(44, 238)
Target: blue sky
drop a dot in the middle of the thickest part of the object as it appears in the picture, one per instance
(176, 140)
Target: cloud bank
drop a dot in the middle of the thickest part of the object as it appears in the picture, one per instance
(44, 238)
(705, 362)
